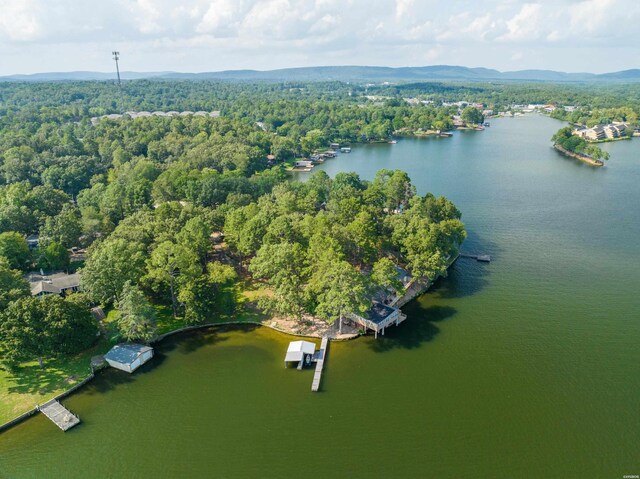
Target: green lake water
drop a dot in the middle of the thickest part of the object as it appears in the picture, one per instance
(527, 367)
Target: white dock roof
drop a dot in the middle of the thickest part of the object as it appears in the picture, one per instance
(297, 350)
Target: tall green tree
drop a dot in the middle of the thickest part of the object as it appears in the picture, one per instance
(12, 285)
(471, 115)
(385, 274)
(196, 235)
(137, 318)
(13, 246)
(339, 289)
(40, 328)
(54, 257)
(64, 228)
(110, 264)
(283, 265)
(172, 265)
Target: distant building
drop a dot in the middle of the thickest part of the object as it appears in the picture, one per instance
(304, 164)
(59, 283)
(143, 114)
(33, 241)
(602, 132)
(128, 357)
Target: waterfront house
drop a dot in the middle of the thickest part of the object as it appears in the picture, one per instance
(300, 352)
(594, 134)
(128, 357)
(304, 164)
(611, 131)
(602, 132)
(59, 283)
(378, 317)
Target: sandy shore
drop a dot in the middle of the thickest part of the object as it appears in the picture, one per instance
(579, 156)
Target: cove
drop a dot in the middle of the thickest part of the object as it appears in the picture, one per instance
(524, 367)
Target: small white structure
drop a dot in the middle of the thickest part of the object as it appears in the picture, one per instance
(128, 357)
(300, 352)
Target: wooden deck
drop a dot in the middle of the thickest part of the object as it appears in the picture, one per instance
(59, 415)
(321, 355)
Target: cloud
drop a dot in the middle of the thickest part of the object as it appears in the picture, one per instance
(18, 22)
(247, 33)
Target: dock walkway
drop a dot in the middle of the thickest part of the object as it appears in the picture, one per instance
(59, 415)
(320, 357)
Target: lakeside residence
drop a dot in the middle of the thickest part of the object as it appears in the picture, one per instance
(602, 132)
(58, 283)
(144, 114)
(378, 317)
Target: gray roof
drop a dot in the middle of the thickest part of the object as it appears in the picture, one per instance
(379, 312)
(126, 353)
(53, 284)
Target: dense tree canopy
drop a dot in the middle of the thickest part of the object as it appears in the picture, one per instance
(38, 328)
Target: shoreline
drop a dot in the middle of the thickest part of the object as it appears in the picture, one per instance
(271, 323)
(579, 156)
(31, 412)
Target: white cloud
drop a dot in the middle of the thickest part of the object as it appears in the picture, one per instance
(525, 25)
(275, 33)
(18, 21)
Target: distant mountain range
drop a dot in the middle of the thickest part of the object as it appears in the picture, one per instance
(350, 73)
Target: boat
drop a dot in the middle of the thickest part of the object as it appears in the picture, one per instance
(486, 123)
(392, 142)
(345, 150)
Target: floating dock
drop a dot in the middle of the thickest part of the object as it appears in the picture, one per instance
(59, 415)
(319, 358)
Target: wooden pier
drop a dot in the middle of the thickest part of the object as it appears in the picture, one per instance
(59, 415)
(319, 358)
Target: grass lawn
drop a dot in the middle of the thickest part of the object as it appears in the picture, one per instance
(29, 385)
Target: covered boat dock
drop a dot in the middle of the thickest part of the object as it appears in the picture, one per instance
(378, 317)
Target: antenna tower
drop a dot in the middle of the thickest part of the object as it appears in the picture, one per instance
(116, 57)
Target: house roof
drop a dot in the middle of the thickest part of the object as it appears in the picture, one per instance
(55, 283)
(126, 353)
(379, 312)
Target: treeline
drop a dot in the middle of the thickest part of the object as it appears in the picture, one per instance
(501, 96)
(597, 116)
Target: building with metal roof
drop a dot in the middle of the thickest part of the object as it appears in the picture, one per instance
(299, 352)
(129, 356)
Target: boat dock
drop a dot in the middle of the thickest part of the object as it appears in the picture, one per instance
(319, 358)
(485, 258)
(59, 415)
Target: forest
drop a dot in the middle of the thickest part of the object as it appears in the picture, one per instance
(146, 196)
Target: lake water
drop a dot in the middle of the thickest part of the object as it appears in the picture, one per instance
(524, 367)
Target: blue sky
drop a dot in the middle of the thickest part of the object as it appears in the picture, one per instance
(209, 35)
